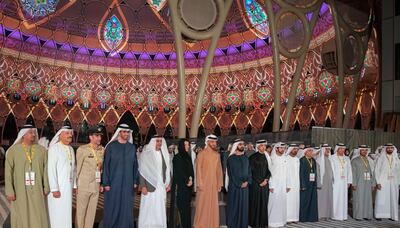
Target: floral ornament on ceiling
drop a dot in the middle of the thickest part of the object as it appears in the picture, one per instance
(120, 97)
(137, 98)
(257, 19)
(326, 81)
(232, 97)
(103, 96)
(309, 86)
(69, 92)
(39, 8)
(157, 4)
(14, 85)
(169, 99)
(32, 88)
(113, 32)
(264, 94)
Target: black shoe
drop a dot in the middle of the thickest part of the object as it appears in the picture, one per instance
(378, 219)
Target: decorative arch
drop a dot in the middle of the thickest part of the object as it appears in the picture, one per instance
(10, 130)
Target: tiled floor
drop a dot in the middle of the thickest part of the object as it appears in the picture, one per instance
(350, 223)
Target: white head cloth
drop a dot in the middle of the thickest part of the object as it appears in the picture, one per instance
(210, 138)
(25, 130)
(316, 152)
(290, 148)
(121, 127)
(229, 147)
(321, 160)
(379, 149)
(302, 152)
(338, 146)
(56, 138)
(233, 150)
(377, 152)
(260, 142)
(394, 154)
(276, 145)
(148, 170)
(356, 151)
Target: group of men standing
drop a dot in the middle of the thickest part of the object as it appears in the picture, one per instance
(291, 185)
(40, 183)
(268, 188)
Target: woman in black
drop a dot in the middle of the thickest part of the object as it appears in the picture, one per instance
(259, 189)
(184, 179)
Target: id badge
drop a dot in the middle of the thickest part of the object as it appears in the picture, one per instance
(98, 176)
(312, 177)
(27, 179)
(342, 176)
(367, 176)
(32, 178)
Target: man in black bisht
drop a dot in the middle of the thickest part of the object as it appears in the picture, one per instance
(184, 180)
(308, 186)
(238, 179)
(259, 189)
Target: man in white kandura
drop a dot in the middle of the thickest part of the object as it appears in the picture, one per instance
(342, 179)
(293, 175)
(387, 174)
(278, 187)
(324, 182)
(62, 178)
(154, 170)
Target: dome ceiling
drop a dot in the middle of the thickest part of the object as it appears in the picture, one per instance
(96, 26)
(82, 18)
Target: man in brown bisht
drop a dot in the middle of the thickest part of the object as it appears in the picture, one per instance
(209, 184)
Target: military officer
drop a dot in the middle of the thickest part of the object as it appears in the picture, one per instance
(89, 167)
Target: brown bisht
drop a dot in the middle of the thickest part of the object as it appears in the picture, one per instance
(209, 182)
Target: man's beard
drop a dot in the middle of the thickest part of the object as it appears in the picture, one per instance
(213, 147)
(240, 149)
